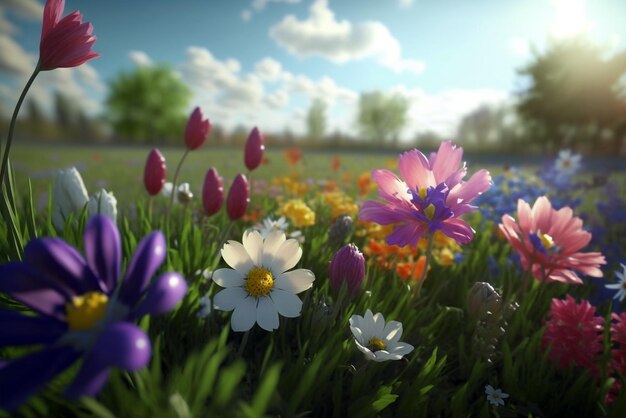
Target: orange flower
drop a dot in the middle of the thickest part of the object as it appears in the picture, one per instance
(335, 163)
(293, 155)
(365, 183)
(412, 269)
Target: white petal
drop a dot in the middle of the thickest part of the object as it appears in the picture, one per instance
(228, 278)
(357, 334)
(236, 256)
(379, 325)
(266, 314)
(229, 298)
(368, 353)
(392, 331)
(401, 349)
(295, 281)
(383, 355)
(356, 321)
(287, 256)
(253, 243)
(287, 304)
(270, 248)
(244, 315)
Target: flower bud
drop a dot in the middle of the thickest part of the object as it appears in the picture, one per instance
(155, 172)
(340, 230)
(197, 130)
(483, 298)
(212, 192)
(347, 265)
(254, 149)
(238, 197)
(69, 196)
(184, 194)
(103, 203)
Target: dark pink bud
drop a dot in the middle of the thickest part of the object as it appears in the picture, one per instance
(212, 192)
(254, 149)
(155, 172)
(347, 265)
(238, 197)
(197, 130)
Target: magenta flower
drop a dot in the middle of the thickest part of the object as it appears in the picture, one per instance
(238, 197)
(197, 130)
(155, 172)
(64, 42)
(254, 149)
(212, 192)
(430, 196)
(347, 265)
(81, 310)
(548, 242)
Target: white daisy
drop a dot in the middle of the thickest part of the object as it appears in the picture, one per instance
(258, 286)
(379, 342)
(270, 225)
(568, 163)
(495, 396)
(621, 285)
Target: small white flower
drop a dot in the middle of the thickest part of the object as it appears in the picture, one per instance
(379, 342)
(103, 203)
(495, 396)
(298, 236)
(269, 225)
(259, 287)
(205, 307)
(69, 196)
(183, 192)
(568, 163)
(621, 285)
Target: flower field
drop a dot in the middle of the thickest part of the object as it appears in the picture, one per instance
(250, 282)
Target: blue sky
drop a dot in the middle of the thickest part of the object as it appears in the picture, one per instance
(261, 62)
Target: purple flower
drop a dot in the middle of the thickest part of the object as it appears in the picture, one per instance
(82, 310)
(347, 265)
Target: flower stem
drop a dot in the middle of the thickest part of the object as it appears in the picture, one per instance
(5, 156)
(244, 342)
(429, 253)
(180, 164)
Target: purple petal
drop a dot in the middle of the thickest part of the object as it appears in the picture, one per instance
(25, 285)
(148, 257)
(18, 329)
(383, 214)
(458, 230)
(122, 345)
(62, 264)
(161, 297)
(21, 378)
(103, 250)
(407, 234)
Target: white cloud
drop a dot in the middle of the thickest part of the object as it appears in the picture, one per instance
(139, 58)
(260, 5)
(268, 69)
(246, 15)
(277, 100)
(405, 4)
(519, 46)
(341, 41)
(28, 9)
(5, 25)
(13, 58)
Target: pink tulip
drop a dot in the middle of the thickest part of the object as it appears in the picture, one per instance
(254, 149)
(212, 192)
(197, 130)
(238, 197)
(347, 265)
(155, 172)
(64, 42)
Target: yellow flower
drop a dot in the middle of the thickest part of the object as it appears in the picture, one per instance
(341, 204)
(298, 213)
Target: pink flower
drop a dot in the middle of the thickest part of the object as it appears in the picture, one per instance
(64, 42)
(155, 172)
(430, 196)
(197, 130)
(238, 197)
(254, 149)
(212, 192)
(548, 241)
(573, 334)
(618, 336)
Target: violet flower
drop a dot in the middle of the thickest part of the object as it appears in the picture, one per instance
(83, 311)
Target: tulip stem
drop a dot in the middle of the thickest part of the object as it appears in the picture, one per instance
(180, 164)
(5, 156)
(429, 253)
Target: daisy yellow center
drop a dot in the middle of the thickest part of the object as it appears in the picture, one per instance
(376, 344)
(85, 310)
(546, 240)
(430, 211)
(260, 282)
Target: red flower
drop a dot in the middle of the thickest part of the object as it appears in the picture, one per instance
(155, 172)
(212, 192)
(573, 334)
(197, 130)
(64, 42)
(254, 149)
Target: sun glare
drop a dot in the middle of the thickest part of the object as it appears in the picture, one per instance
(570, 18)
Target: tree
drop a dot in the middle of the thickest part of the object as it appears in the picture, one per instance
(316, 119)
(36, 118)
(573, 87)
(148, 104)
(381, 117)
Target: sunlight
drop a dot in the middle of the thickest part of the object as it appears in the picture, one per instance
(570, 18)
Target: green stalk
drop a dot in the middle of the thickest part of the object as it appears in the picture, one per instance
(429, 253)
(180, 164)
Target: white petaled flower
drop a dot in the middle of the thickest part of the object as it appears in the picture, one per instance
(620, 285)
(103, 203)
(568, 163)
(183, 192)
(495, 396)
(377, 340)
(259, 286)
(205, 307)
(69, 196)
(270, 225)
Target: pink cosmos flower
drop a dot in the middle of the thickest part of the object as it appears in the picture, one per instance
(573, 334)
(430, 196)
(64, 42)
(548, 242)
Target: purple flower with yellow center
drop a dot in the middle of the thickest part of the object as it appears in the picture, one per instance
(81, 310)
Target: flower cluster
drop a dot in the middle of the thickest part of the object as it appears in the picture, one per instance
(298, 213)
